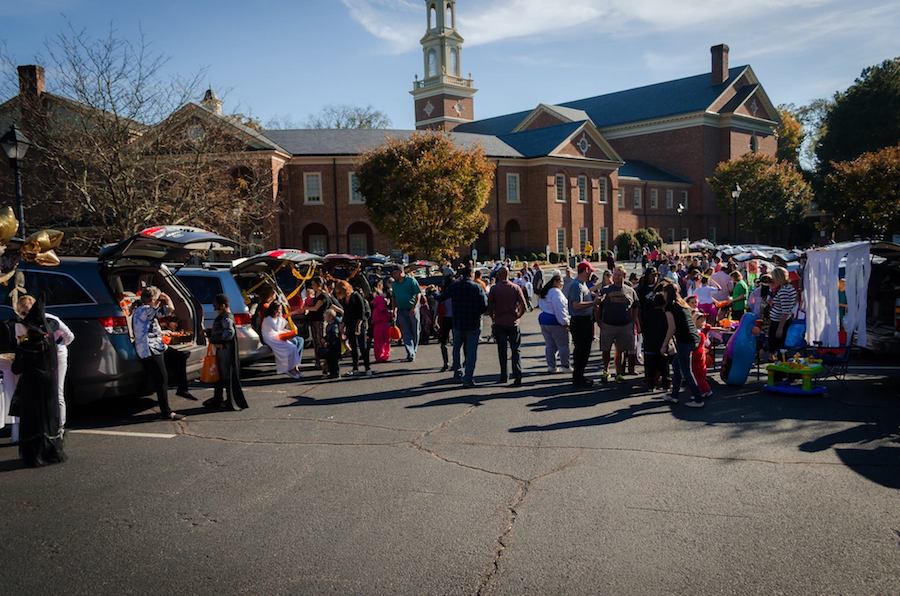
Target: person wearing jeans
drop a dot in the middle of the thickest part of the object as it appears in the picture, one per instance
(581, 311)
(554, 321)
(506, 305)
(469, 303)
(406, 301)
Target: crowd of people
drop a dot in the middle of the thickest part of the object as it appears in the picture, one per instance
(663, 318)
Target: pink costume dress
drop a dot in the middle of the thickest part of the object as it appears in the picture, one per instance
(381, 324)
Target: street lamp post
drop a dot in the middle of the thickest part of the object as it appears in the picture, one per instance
(15, 145)
(680, 211)
(735, 195)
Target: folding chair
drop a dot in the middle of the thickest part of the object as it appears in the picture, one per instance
(835, 360)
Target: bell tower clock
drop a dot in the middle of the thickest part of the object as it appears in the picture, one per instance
(443, 98)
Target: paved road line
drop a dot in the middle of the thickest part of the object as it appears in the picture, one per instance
(119, 433)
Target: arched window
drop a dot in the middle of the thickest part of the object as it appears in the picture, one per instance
(448, 19)
(315, 239)
(432, 17)
(454, 61)
(432, 62)
(359, 239)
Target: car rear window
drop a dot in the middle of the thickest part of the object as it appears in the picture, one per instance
(203, 288)
(58, 289)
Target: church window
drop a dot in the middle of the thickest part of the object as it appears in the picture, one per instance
(684, 198)
(604, 239)
(620, 199)
(560, 240)
(654, 198)
(638, 199)
(670, 198)
(432, 63)
(582, 189)
(454, 62)
(312, 188)
(603, 190)
(512, 188)
(448, 20)
(582, 238)
(432, 17)
(356, 197)
(560, 188)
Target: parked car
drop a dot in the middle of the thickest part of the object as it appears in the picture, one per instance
(205, 283)
(94, 297)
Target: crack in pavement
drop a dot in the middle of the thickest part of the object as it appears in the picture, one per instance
(181, 428)
(310, 419)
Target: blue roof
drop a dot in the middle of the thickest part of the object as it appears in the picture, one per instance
(646, 172)
(681, 96)
(537, 142)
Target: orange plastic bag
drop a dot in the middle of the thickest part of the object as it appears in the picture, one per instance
(209, 372)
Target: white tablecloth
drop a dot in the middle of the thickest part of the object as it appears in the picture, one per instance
(9, 387)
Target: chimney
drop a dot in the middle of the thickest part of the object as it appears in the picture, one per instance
(31, 80)
(719, 63)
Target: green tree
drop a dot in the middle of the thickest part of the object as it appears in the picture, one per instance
(627, 245)
(427, 194)
(864, 118)
(869, 187)
(648, 236)
(790, 136)
(773, 194)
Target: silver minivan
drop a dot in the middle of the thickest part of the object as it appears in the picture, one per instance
(210, 280)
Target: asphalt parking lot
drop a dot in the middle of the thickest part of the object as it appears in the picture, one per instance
(408, 483)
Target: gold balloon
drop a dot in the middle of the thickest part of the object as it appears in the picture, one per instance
(9, 225)
(38, 247)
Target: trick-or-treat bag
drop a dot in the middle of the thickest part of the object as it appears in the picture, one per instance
(209, 372)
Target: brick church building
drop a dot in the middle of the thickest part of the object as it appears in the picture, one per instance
(567, 174)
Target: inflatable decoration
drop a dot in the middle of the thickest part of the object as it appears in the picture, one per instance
(740, 352)
(39, 248)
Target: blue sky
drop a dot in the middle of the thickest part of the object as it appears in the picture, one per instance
(286, 59)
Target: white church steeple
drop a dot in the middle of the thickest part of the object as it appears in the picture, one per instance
(443, 98)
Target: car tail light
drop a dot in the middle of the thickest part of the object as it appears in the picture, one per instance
(115, 325)
(242, 319)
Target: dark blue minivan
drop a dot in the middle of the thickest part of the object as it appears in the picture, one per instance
(93, 296)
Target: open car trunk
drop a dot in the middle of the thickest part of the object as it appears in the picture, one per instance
(136, 263)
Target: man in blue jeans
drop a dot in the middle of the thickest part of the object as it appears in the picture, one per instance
(469, 303)
(406, 302)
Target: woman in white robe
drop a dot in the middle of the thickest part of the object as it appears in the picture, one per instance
(287, 353)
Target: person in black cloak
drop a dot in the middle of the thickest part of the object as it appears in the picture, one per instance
(37, 396)
(224, 337)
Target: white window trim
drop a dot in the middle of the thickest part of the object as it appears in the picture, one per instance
(637, 198)
(670, 198)
(603, 196)
(564, 238)
(654, 198)
(518, 197)
(603, 239)
(306, 199)
(556, 192)
(620, 198)
(583, 233)
(583, 184)
(350, 176)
